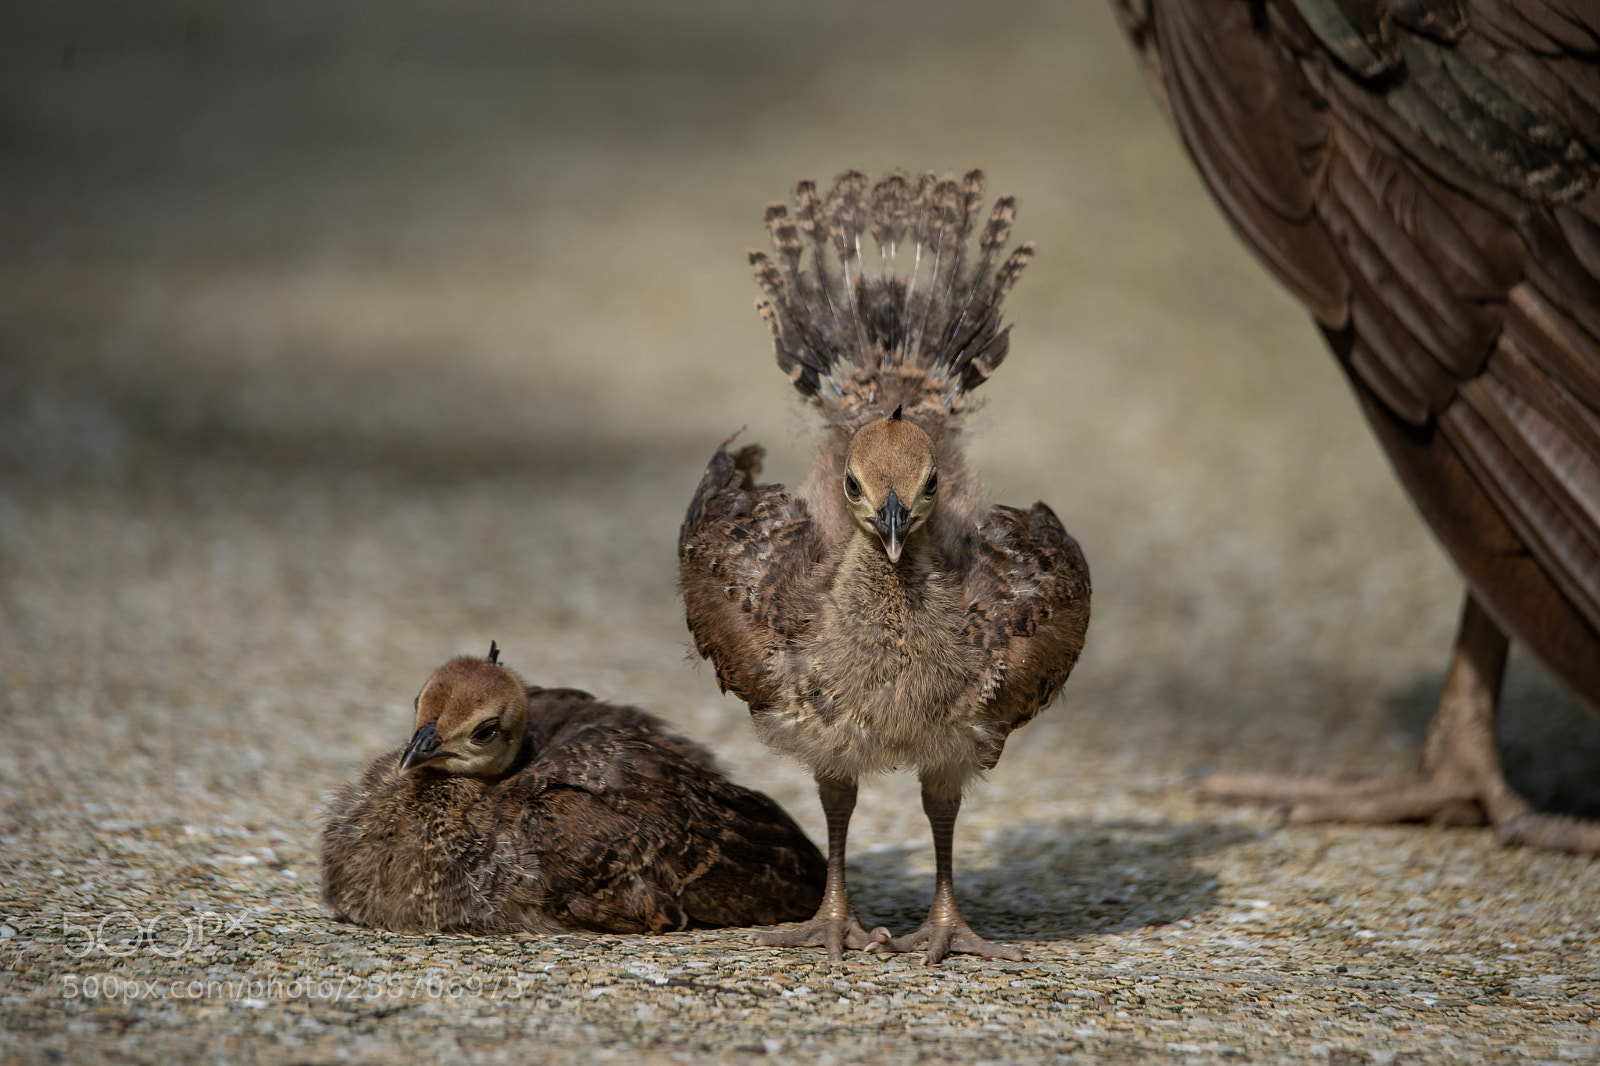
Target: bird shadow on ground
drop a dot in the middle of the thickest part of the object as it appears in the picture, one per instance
(1055, 880)
(1549, 745)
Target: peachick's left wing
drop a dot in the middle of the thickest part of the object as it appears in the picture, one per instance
(1027, 587)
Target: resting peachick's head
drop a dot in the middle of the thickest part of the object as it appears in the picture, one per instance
(471, 716)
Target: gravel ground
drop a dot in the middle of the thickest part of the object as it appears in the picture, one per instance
(338, 340)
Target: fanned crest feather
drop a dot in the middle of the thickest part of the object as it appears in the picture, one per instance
(839, 320)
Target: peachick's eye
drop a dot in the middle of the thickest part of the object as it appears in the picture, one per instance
(933, 484)
(486, 733)
(852, 488)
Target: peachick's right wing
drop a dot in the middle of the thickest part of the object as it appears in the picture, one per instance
(748, 562)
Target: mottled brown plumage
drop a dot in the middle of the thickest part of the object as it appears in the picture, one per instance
(884, 615)
(1424, 175)
(524, 809)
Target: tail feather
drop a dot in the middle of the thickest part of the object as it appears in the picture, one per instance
(945, 217)
(785, 238)
(813, 224)
(891, 213)
(980, 352)
(972, 190)
(847, 212)
(839, 327)
(995, 234)
(965, 327)
(808, 212)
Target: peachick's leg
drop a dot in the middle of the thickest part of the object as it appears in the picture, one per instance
(835, 925)
(1460, 779)
(945, 931)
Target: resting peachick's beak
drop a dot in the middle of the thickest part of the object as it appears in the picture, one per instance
(893, 521)
(425, 747)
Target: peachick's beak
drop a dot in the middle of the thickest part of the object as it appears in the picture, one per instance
(892, 522)
(425, 747)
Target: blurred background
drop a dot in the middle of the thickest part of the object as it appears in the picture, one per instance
(338, 339)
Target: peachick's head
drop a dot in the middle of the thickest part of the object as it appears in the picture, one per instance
(889, 480)
(471, 716)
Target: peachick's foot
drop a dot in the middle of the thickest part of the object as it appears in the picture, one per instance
(835, 934)
(938, 939)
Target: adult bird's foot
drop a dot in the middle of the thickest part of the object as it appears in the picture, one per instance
(1460, 782)
(835, 934)
(1558, 831)
(1440, 798)
(936, 940)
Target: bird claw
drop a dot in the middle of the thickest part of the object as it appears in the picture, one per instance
(1460, 781)
(1416, 798)
(937, 940)
(1557, 831)
(1363, 800)
(835, 934)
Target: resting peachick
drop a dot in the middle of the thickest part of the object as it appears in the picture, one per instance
(524, 809)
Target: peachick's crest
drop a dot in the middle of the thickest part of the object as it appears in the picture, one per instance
(924, 304)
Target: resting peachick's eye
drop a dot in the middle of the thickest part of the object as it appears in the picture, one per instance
(933, 484)
(486, 733)
(852, 488)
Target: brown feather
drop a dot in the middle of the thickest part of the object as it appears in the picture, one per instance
(606, 821)
(884, 616)
(1425, 177)
(783, 593)
(926, 308)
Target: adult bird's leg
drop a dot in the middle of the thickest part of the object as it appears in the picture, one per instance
(945, 931)
(835, 925)
(1460, 779)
